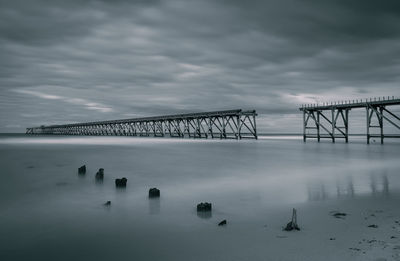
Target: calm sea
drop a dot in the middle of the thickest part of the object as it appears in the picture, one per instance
(49, 212)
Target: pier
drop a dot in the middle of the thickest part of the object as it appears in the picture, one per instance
(230, 124)
(331, 120)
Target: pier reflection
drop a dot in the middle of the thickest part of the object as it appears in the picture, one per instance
(205, 214)
(380, 188)
(376, 185)
(154, 206)
(345, 190)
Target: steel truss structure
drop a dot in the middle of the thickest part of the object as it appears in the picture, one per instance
(332, 120)
(231, 124)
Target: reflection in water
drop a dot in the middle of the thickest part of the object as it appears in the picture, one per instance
(350, 187)
(377, 187)
(380, 188)
(373, 185)
(204, 214)
(316, 193)
(260, 177)
(154, 206)
(345, 190)
(385, 183)
(61, 184)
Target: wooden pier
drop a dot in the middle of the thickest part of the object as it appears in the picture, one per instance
(234, 124)
(331, 120)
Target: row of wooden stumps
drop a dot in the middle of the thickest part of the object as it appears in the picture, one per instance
(202, 208)
(119, 183)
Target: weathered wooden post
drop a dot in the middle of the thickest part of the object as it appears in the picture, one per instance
(292, 225)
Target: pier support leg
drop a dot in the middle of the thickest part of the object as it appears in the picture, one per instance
(238, 127)
(186, 127)
(368, 123)
(304, 125)
(318, 124)
(223, 131)
(198, 130)
(333, 125)
(346, 125)
(255, 127)
(210, 128)
(381, 123)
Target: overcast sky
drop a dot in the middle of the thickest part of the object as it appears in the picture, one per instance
(75, 61)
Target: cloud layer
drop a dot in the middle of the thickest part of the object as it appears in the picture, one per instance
(73, 61)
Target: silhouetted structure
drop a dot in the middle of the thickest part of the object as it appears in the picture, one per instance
(330, 123)
(236, 124)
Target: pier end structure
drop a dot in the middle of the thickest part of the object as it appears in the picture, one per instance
(331, 120)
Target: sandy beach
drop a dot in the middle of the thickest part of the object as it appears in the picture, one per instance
(353, 237)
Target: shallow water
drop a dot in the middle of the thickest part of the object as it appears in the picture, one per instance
(49, 212)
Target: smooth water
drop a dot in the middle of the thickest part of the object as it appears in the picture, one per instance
(49, 212)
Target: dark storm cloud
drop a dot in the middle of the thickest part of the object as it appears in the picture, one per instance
(68, 61)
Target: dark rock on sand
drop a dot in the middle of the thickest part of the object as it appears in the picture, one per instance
(108, 203)
(121, 183)
(222, 223)
(154, 193)
(339, 214)
(373, 226)
(204, 206)
(100, 174)
(82, 170)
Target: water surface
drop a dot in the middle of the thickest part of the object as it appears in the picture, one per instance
(49, 212)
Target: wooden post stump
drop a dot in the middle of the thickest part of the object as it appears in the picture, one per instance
(292, 225)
